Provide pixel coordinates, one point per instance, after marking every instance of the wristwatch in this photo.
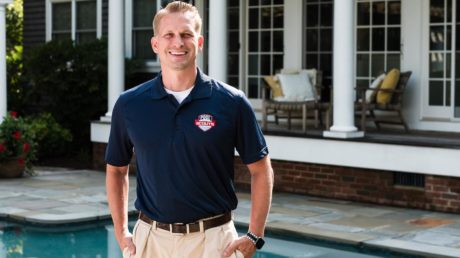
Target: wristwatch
(258, 241)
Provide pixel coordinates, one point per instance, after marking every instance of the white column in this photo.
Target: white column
(3, 87)
(116, 55)
(199, 4)
(218, 40)
(344, 71)
(293, 34)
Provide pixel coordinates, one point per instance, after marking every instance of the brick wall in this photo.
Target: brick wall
(355, 184)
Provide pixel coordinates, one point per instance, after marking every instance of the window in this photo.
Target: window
(265, 29)
(318, 23)
(143, 12)
(378, 38)
(233, 29)
(139, 30)
(79, 20)
(443, 58)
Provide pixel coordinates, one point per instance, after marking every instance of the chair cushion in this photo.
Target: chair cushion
(296, 87)
(274, 85)
(389, 83)
(311, 73)
(371, 94)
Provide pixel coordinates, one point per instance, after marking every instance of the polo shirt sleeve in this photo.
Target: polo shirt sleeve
(250, 142)
(119, 149)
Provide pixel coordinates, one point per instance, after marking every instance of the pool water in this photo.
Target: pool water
(96, 240)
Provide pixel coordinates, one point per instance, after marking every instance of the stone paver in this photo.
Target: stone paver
(60, 195)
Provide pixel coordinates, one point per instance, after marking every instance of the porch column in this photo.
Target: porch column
(344, 70)
(116, 55)
(3, 86)
(218, 40)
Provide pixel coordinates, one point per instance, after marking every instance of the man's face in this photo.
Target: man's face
(177, 43)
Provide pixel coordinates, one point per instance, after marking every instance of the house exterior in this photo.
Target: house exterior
(351, 41)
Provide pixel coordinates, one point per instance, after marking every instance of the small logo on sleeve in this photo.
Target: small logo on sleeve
(205, 122)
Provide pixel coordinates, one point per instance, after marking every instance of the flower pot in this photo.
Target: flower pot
(11, 168)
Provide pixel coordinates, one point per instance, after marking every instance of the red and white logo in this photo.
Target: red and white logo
(205, 122)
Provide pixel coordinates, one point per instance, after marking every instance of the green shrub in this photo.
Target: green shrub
(52, 139)
(70, 82)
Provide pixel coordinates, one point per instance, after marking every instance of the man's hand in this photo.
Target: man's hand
(242, 244)
(126, 241)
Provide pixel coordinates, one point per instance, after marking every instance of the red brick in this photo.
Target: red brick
(450, 196)
(440, 188)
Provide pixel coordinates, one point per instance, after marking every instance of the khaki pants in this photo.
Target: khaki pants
(159, 243)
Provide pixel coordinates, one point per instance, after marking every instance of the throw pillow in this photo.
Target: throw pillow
(389, 83)
(371, 94)
(296, 87)
(274, 85)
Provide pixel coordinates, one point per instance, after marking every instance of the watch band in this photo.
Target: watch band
(256, 240)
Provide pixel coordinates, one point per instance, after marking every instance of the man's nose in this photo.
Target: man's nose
(178, 41)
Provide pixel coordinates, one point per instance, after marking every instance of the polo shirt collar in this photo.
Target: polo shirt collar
(202, 89)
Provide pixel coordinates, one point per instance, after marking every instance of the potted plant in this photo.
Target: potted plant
(17, 146)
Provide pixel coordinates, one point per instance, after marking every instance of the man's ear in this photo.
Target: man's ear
(154, 44)
(200, 43)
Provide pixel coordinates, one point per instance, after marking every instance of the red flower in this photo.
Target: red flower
(14, 114)
(21, 161)
(2, 147)
(17, 135)
(26, 147)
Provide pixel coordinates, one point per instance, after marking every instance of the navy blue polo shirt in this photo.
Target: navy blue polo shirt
(184, 152)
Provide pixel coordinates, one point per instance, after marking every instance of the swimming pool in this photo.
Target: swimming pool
(96, 240)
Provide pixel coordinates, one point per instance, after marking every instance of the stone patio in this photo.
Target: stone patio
(59, 195)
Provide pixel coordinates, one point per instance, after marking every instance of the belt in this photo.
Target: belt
(182, 228)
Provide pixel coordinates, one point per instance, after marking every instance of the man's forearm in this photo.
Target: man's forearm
(261, 195)
(117, 185)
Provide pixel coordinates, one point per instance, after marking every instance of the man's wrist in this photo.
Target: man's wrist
(258, 241)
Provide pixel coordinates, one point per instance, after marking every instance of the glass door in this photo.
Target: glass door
(444, 72)
(378, 39)
(265, 28)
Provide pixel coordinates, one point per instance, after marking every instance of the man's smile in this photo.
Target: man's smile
(178, 53)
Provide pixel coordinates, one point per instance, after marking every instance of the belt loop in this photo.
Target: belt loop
(154, 224)
(187, 226)
(170, 228)
(201, 226)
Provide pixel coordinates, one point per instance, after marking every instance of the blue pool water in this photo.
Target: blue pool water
(96, 240)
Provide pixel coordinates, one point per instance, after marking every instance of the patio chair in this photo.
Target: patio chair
(280, 100)
(386, 96)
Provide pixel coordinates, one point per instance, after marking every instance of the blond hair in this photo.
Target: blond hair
(176, 7)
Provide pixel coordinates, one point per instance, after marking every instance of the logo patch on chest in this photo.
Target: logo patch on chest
(205, 122)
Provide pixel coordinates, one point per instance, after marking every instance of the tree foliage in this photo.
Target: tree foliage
(14, 28)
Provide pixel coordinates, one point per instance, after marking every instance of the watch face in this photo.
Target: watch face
(260, 242)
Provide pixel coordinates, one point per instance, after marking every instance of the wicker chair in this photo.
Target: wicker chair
(292, 109)
(366, 109)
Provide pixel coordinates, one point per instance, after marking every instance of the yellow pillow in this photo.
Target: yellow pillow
(389, 83)
(274, 84)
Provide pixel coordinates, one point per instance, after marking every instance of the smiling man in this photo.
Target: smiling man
(184, 127)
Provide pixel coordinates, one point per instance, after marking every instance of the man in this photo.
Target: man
(184, 127)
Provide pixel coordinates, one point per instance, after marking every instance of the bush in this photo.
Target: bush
(17, 141)
(70, 82)
(52, 139)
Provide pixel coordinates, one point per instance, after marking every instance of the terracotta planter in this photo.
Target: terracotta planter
(11, 168)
